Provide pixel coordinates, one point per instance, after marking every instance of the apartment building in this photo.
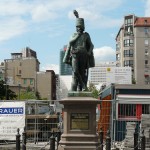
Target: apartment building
(133, 47)
(22, 71)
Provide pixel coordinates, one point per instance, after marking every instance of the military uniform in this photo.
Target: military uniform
(79, 55)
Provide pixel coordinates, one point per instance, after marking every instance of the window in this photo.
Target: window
(128, 42)
(128, 53)
(146, 62)
(128, 31)
(146, 30)
(146, 51)
(117, 57)
(128, 63)
(126, 110)
(128, 21)
(117, 46)
(19, 71)
(146, 42)
(31, 81)
(25, 81)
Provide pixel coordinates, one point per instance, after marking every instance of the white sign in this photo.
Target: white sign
(119, 75)
(12, 117)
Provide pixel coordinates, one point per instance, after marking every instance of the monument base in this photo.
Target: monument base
(79, 124)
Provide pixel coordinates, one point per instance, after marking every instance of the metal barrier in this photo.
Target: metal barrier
(40, 124)
(122, 119)
(55, 138)
(40, 120)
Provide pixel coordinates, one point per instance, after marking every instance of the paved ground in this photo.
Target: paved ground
(30, 146)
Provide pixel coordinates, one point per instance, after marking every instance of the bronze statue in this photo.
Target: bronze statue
(79, 55)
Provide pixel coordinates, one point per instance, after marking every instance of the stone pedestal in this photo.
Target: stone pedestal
(79, 122)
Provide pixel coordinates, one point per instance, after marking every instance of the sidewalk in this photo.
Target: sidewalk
(30, 146)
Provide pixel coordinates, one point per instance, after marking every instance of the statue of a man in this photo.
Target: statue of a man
(79, 55)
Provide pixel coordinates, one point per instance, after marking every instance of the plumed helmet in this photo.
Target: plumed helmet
(80, 22)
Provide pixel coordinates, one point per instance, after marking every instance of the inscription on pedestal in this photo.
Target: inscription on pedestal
(79, 121)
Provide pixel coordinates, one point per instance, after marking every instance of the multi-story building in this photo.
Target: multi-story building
(133, 47)
(46, 84)
(22, 71)
(65, 69)
(2, 68)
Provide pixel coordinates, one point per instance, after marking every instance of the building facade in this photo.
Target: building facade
(64, 69)
(133, 47)
(22, 71)
(46, 84)
(2, 68)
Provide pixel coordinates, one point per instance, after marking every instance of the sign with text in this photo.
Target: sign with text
(79, 121)
(119, 75)
(12, 116)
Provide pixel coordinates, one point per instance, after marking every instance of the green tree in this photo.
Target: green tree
(133, 80)
(5, 92)
(38, 95)
(2, 90)
(95, 92)
(11, 95)
(27, 95)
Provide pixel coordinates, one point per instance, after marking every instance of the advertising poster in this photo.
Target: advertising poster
(12, 116)
(119, 75)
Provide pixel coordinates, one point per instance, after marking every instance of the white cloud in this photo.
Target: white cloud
(42, 13)
(95, 14)
(26, 14)
(12, 27)
(147, 8)
(13, 7)
(104, 54)
(51, 67)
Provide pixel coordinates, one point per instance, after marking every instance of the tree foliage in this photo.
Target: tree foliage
(29, 94)
(95, 92)
(5, 92)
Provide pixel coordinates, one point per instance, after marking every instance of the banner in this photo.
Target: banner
(12, 117)
(118, 75)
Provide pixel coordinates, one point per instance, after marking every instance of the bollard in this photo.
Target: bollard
(18, 140)
(101, 138)
(108, 141)
(24, 139)
(135, 140)
(58, 138)
(142, 137)
(52, 142)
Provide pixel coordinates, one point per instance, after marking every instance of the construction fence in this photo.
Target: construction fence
(122, 119)
(39, 118)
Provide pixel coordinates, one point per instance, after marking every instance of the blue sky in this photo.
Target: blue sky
(46, 26)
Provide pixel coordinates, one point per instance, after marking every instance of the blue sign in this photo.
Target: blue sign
(12, 110)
